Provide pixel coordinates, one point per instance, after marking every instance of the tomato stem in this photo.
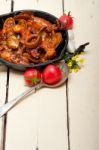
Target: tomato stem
(69, 13)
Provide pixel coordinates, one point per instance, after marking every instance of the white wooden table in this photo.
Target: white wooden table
(66, 118)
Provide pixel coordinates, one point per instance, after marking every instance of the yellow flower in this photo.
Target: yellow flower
(70, 70)
(82, 61)
(76, 70)
(76, 57)
(70, 64)
(82, 53)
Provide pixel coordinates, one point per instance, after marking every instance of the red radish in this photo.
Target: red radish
(67, 20)
(32, 77)
(51, 74)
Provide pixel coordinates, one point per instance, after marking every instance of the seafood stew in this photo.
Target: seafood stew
(31, 38)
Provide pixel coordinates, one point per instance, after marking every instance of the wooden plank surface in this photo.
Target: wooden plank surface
(5, 6)
(83, 87)
(3, 80)
(40, 120)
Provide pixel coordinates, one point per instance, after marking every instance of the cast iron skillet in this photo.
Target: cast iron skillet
(60, 49)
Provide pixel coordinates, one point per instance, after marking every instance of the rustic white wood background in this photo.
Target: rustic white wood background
(66, 118)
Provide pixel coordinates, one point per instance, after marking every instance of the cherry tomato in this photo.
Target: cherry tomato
(32, 77)
(67, 20)
(51, 74)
